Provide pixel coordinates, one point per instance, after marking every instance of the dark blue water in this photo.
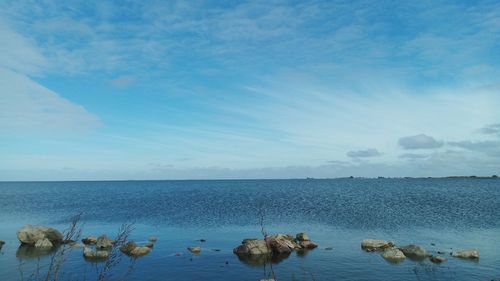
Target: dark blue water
(450, 213)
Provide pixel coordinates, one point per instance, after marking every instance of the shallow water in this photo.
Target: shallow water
(339, 213)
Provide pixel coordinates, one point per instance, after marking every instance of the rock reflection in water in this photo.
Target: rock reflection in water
(260, 260)
(31, 252)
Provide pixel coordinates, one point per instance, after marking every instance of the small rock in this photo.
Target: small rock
(203, 240)
(128, 247)
(30, 234)
(149, 245)
(216, 250)
(89, 253)
(252, 247)
(437, 259)
(302, 237)
(140, 251)
(89, 240)
(103, 242)
(308, 244)
(1, 244)
(433, 244)
(393, 255)
(153, 239)
(375, 245)
(467, 254)
(414, 251)
(43, 243)
(178, 254)
(328, 248)
(194, 250)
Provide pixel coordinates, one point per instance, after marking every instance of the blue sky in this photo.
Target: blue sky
(97, 90)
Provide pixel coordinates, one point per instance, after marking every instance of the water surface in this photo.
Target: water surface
(339, 213)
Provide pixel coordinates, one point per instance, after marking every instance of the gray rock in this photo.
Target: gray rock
(375, 245)
(414, 251)
(92, 254)
(91, 240)
(279, 245)
(252, 247)
(153, 239)
(393, 255)
(308, 244)
(438, 259)
(140, 251)
(467, 254)
(128, 247)
(194, 250)
(43, 243)
(302, 237)
(103, 242)
(30, 234)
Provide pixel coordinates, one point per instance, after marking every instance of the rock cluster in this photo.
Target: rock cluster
(396, 254)
(279, 244)
(133, 250)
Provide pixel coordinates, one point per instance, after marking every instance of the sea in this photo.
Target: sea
(439, 214)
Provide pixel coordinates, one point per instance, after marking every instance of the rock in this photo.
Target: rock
(414, 251)
(302, 237)
(467, 254)
(307, 244)
(437, 259)
(43, 243)
(1, 244)
(375, 245)
(329, 248)
(149, 245)
(194, 250)
(103, 242)
(279, 245)
(393, 255)
(29, 234)
(252, 247)
(77, 245)
(128, 247)
(89, 240)
(152, 239)
(140, 251)
(91, 254)
(203, 240)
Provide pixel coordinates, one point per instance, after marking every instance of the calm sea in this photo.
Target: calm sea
(438, 214)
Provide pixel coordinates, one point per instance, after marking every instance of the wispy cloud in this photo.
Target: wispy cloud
(371, 152)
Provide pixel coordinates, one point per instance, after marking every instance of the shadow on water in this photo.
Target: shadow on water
(27, 252)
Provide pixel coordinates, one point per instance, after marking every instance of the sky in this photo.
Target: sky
(119, 90)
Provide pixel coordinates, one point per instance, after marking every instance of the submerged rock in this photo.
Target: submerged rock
(393, 255)
(30, 234)
(153, 239)
(194, 250)
(90, 240)
(149, 245)
(103, 242)
(375, 245)
(1, 244)
(438, 259)
(252, 247)
(43, 243)
(414, 251)
(467, 254)
(92, 254)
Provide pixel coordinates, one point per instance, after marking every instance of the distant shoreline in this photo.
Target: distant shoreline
(493, 177)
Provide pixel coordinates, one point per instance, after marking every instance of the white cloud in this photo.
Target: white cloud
(27, 106)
